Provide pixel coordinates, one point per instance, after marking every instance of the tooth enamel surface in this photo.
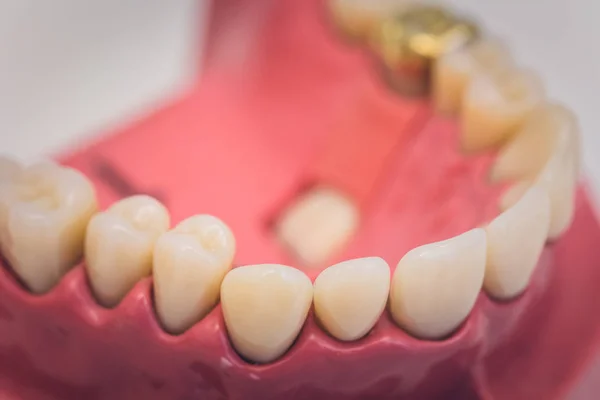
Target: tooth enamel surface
(516, 239)
(119, 245)
(265, 307)
(9, 169)
(513, 194)
(44, 211)
(436, 285)
(318, 225)
(190, 263)
(350, 296)
(453, 71)
(358, 17)
(527, 153)
(495, 106)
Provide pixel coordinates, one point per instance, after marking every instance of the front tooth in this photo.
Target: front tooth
(264, 308)
(527, 153)
(515, 241)
(119, 245)
(453, 71)
(513, 194)
(318, 225)
(496, 105)
(43, 215)
(436, 285)
(190, 263)
(9, 169)
(350, 296)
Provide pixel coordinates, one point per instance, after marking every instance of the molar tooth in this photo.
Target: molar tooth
(119, 245)
(453, 71)
(350, 296)
(515, 241)
(318, 225)
(190, 263)
(44, 211)
(436, 285)
(265, 307)
(496, 105)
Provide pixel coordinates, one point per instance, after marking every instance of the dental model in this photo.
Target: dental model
(433, 247)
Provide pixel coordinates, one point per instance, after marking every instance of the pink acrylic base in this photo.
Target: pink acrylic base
(240, 146)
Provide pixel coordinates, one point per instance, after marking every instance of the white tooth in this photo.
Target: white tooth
(119, 245)
(190, 263)
(527, 153)
(513, 194)
(496, 105)
(453, 71)
(436, 285)
(43, 215)
(515, 241)
(350, 296)
(265, 307)
(9, 169)
(318, 225)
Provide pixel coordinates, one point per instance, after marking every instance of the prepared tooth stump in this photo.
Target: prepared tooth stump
(308, 225)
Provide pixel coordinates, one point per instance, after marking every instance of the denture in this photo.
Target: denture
(299, 227)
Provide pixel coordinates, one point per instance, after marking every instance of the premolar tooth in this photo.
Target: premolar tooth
(44, 211)
(496, 105)
(190, 263)
(119, 245)
(436, 285)
(318, 225)
(350, 296)
(453, 71)
(515, 241)
(265, 307)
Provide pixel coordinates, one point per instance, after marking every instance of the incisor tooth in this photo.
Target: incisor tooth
(527, 153)
(265, 307)
(515, 241)
(453, 71)
(436, 285)
(190, 263)
(496, 105)
(350, 296)
(318, 225)
(43, 215)
(119, 245)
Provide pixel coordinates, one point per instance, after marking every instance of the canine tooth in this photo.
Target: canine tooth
(44, 211)
(318, 225)
(453, 71)
(190, 262)
(515, 241)
(9, 169)
(496, 105)
(119, 245)
(265, 307)
(527, 153)
(436, 285)
(350, 296)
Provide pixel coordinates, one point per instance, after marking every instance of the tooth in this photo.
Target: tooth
(357, 18)
(43, 215)
(190, 263)
(513, 194)
(9, 169)
(318, 225)
(496, 105)
(453, 71)
(264, 308)
(119, 245)
(516, 239)
(436, 285)
(527, 153)
(350, 296)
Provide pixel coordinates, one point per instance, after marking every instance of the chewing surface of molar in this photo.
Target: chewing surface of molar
(357, 18)
(515, 241)
(190, 262)
(44, 211)
(496, 105)
(119, 245)
(453, 71)
(436, 285)
(318, 225)
(350, 296)
(265, 307)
